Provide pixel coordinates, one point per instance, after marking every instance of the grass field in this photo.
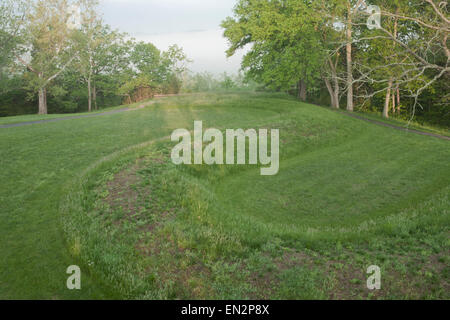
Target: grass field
(102, 193)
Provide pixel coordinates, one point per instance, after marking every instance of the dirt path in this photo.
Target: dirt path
(392, 126)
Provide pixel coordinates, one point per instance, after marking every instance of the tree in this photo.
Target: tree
(151, 70)
(12, 20)
(174, 66)
(227, 82)
(342, 16)
(352, 7)
(200, 82)
(146, 58)
(111, 62)
(140, 86)
(51, 45)
(374, 51)
(416, 34)
(62, 50)
(88, 40)
(287, 43)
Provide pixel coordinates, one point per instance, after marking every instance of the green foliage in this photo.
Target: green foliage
(227, 82)
(200, 82)
(51, 41)
(141, 81)
(11, 38)
(292, 41)
(92, 65)
(207, 82)
(286, 46)
(147, 59)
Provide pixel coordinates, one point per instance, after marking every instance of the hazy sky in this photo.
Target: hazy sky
(192, 24)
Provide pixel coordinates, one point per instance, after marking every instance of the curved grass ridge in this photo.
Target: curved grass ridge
(219, 244)
(82, 231)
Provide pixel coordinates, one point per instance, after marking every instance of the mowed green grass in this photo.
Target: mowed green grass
(349, 194)
(35, 117)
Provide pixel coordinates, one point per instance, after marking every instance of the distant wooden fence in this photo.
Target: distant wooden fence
(140, 94)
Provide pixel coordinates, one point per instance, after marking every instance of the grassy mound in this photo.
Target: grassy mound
(349, 195)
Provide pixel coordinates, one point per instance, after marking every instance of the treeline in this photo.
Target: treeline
(386, 56)
(59, 56)
(206, 82)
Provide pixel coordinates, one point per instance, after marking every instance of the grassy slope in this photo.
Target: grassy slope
(36, 117)
(406, 124)
(321, 151)
(39, 161)
(348, 195)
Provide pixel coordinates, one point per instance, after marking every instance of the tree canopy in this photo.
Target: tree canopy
(62, 55)
(338, 47)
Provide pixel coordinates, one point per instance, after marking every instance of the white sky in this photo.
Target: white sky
(192, 24)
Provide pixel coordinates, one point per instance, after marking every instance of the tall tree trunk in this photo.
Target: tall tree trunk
(42, 94)
(94, 96)
(394, 90)
(350, 105)
(42, 101)
(89, 94)
(388, 100)
(331, 92)
(336, 92)
(394, 105)
(302, 90)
